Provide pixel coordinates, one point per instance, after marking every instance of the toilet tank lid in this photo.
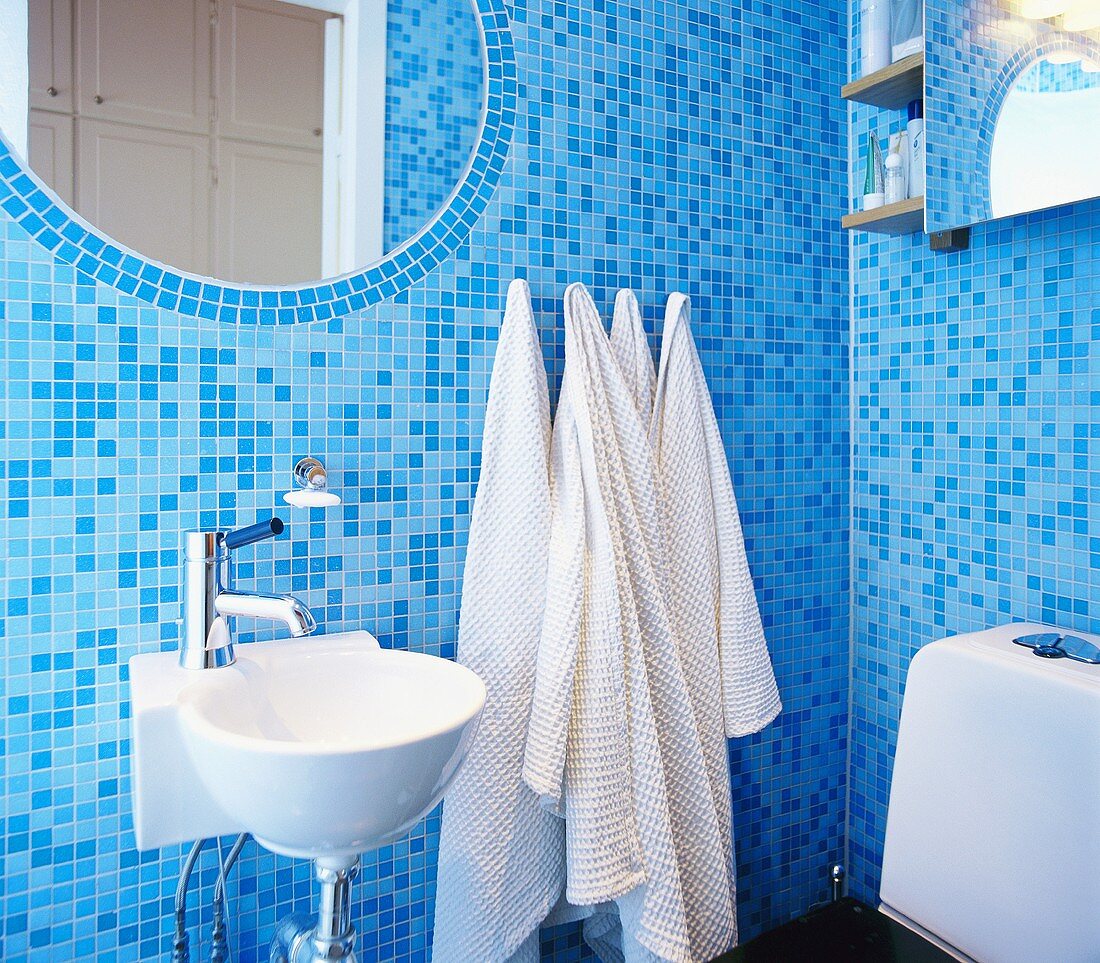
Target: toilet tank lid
(1017, 643)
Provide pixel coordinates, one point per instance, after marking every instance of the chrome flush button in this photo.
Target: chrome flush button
(1049, 652)
(1053, 645)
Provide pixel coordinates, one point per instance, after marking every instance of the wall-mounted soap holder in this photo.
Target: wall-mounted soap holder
(311, 486)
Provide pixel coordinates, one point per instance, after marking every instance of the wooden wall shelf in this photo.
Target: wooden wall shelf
(904, 217)
(892, 87)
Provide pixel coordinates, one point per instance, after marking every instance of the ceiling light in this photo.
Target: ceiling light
(1041, 9)
(1081, 15)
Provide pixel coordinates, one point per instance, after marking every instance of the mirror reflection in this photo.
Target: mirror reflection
(1012, 92)
(254, 141)
(1029, 170)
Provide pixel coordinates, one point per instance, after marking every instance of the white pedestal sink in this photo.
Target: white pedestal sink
(321, 747)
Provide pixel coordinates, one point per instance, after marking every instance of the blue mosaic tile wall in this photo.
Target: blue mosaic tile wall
(780, 380)
(434, 91)
(975, 443)
(660, 146)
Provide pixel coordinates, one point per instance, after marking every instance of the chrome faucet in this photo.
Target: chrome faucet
(210, 603)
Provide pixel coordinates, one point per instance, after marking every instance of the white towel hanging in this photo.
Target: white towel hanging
(579, 707)
(501, 855)
(633, 790)
(707, 542)
(631, 349)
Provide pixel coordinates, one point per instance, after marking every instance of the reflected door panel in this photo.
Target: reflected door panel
(268, 226)
(50, 50)
(51, 144)
(271, 66)
(148, 61)
(149, 187)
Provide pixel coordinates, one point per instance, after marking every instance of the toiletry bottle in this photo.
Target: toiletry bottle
(874, 20)
(915, 130)
(895, 179)
(899, 144)
(873, 191)
(906, 28)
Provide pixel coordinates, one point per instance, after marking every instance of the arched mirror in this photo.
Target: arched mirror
(253, 160)
(1011, 88)
(1042, 153)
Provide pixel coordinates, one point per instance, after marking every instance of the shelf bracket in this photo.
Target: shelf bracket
(945, 241)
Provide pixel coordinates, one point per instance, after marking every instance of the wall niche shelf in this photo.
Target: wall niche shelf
(904, 217)
(892, 87)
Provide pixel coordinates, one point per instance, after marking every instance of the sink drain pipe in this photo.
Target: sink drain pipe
(330, 936)
(181, 945)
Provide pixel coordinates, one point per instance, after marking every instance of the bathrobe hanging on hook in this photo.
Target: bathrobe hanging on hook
(501, 856)
(704, 537)
(713, 606)
(612, 743)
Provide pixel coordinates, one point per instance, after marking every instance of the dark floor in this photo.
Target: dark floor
(843, 932)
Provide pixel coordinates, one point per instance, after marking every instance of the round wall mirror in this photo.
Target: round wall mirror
(253, 160)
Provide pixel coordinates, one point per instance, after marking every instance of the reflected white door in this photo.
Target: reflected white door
(271, 71)
(149, 188)
(50, 151)
(268, 203)
(145, 62)
(176, 109)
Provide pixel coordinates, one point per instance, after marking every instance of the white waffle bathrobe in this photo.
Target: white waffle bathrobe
(714, 611)
(713, 595)
(501, 855)
(627, 735)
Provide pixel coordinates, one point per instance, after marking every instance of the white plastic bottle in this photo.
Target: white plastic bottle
(895, 179)
(874, 32)
(899, 144)
(915, 131)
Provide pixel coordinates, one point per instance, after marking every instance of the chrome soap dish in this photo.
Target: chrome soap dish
(311, 486)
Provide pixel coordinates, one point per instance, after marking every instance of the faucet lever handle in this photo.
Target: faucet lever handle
(253, 533)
